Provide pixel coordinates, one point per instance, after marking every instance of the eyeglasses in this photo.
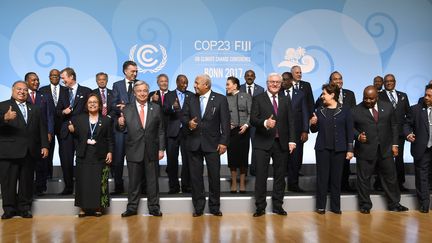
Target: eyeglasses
(274, 82)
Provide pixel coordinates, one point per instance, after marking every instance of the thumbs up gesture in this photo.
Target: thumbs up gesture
(10, 115)
(121, 120)
(270, 122)
(362, 137)
(71, 127)
(314, 119)
(176, 104)
(155, 97)
(193, 123)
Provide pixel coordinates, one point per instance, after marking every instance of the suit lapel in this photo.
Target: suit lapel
(424, 114)
(210, 105)
(149, 114)
(18, 111)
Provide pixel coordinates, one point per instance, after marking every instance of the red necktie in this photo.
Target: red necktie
(104, 104)
(142, 116)
(162, 97)
(275, 108)
(375, 114)
(33, 97)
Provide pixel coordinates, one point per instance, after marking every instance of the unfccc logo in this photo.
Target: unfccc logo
(147, 58)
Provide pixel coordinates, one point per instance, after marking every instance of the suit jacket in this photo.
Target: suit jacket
(120, 95)
(257, 89)
(48, 93)
(243, 103)
(174, 116)
(384, 133)
(78, 107)
(418, 123)
(102, 135)
(306, 88)
(343, 129)
(159, 102)
(213, 128)
(47, 111)
(149, 140)
(300, 111)
(349, 99)
(17, 138)
(401, 110)
(111, 113)
(262, 109)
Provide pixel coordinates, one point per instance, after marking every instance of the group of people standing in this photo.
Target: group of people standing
(102, 127)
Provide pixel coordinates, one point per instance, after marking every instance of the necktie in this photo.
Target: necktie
(275, 108)
(202, 105)
(340, 97)
(54, 95)
(181, 99)
(104, 104)
(429, 144)
(71, 97)
(23, 111)
(392, 99)
(162, 97)
(249, 90)
(296, 86)
(375, 114)
(129, 91)
(142, 116)
(32, 94)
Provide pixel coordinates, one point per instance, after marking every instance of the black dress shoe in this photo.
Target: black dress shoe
(128, 213)
(186, 190)
(280, 212)
(364, 210)
(217, 213)
(26, 214)
(424, 209)
(173, 191)
(320, 211)
(295, 188)
(259, 213)
(197, 214)
(8, 215)
(156, 213)
(336, 211)
(403, 189)
(348, 189)
(398, 208)
(40, 193)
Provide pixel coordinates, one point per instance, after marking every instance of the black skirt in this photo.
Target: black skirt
(91, 179)
(238, 148)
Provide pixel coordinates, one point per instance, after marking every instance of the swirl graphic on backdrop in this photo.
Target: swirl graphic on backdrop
(260, 53)
(45, 55)
(145, 57)
(152, 30)
(72, 38)
(384, 30)
(326, 54)
(298, 57)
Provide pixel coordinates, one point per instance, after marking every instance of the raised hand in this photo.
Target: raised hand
(362, 137)
(314, 119)
(71, 127)
(10, 115)
(411, 137)
(176, 104)
(155, 97)
(121, 120)
(270, 122)
(193, 123)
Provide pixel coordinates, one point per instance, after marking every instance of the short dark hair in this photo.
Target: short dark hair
(27, 76)
(235, 81)
(428, 86)
(99, 102)
(333, 73)
(127, 64)
(162, 75)
(70, 72)
(100, 74)
(181, 76)
(332, 88)
(289, 75)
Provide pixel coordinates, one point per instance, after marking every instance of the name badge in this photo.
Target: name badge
(91, 141)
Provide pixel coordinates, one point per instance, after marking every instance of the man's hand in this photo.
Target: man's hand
(411, 137)
(71, 127)
(243, 129)
(161, 154)
(176, 104)
(221, 149)
(349, 155)
(193, 123)
(155, 97)
(44, 153)
(395, 150)
(10, 115)
(121, 120)
(67, 111)
(314, 119)
(291, 147)
(362, 137)
(108, 158)
(270, 122)
(304, 137)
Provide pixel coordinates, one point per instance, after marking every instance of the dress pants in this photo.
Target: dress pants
(137, 171)
(173, 145)
(118, 159)
(329, 172)
(295, 161)
(17, 172)
(67, 150)
(387, 172)
(279, 157)
(422, 167)
(196, 168)
(399, 161)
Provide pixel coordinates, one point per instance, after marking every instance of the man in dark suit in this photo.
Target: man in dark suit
(176, 136)
(303, 86)
(158, 96)
(145, 146)
(206, 116)
(273, 118)
(378, 82)
(401, 105)
(301, 123)
(418, 131)
(376, 133)
(252, 89)
(347, 99)
(105, 95)
(54, 90)
(122, 95)
(69, 106)
(40, 99)
(23, 140)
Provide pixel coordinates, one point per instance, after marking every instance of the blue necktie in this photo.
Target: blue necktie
(202, 105)
(71, 97)
(23, 111)
(392, 99)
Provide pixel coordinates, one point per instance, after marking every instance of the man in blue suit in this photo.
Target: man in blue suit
(418, 131)
(122, 95)
(69, 105)
(301, 123)
(40, 99)
(252, 89)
